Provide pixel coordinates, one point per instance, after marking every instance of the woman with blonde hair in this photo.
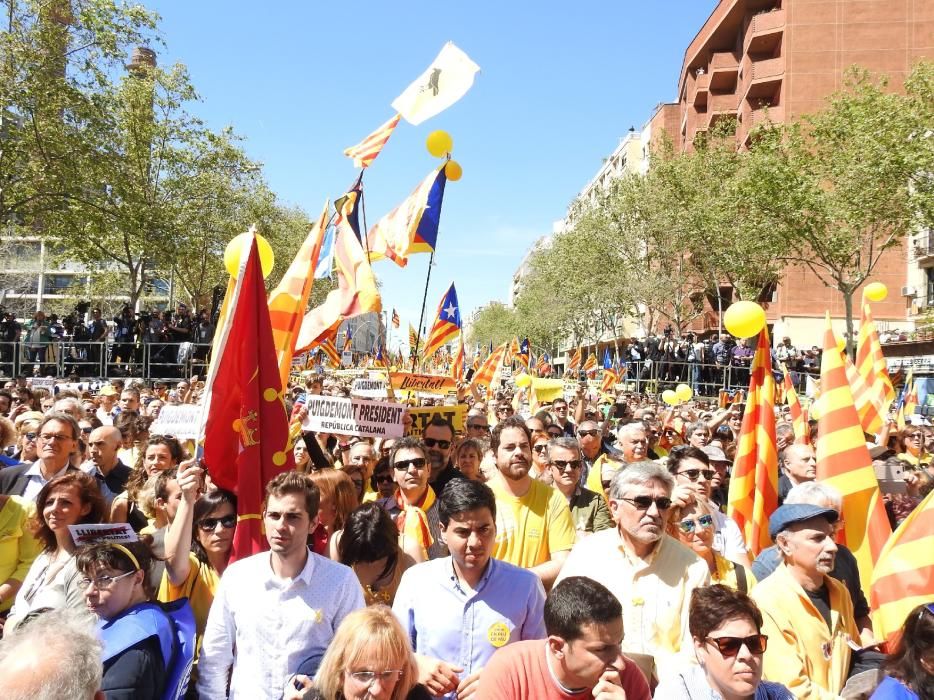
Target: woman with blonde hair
(338, 499)
(369, 658)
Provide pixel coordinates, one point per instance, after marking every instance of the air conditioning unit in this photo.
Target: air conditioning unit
(908, 291)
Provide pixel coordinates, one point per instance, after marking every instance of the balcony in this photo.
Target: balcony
(724, 67)
(765, 77)
(723, 104)
(764, 33)
(924, 246)
(701, 89)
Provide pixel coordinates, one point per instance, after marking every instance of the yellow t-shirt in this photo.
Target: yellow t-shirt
(199, 588)
(18, 546)
(529, 529)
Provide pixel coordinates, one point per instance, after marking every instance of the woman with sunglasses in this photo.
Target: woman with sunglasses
(911, 446)
(910, 666)
(148, 649)
(27, 446)
(198, 544)
(368, 659)
(694, 526)
(540, 468)
(162, 452)
(726, 627)
(52, 581)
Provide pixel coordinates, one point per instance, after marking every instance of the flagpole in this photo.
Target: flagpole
(421, 318)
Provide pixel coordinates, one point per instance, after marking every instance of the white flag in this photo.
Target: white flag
(447, 79)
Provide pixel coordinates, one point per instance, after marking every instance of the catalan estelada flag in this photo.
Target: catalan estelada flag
(447, 323)
(753, 494)
(379, 360)
(525, 353)
(395, 319)
(457, 364)
(412, 227)
(289, 300)
(799, 421)
(356, 291)
(244, 426)
(366, 151)
(907, 402)
(575, 360)
(904, 574)
(541, 363)
(843, 462)
(490, 368)
(610, 374)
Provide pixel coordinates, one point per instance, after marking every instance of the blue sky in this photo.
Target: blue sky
(560, 83)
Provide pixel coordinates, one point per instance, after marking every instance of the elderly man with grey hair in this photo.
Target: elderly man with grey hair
(57, 656)
(651, 573)
(588, 509)
(845, 568)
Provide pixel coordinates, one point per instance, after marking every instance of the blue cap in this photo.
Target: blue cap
(792, 513)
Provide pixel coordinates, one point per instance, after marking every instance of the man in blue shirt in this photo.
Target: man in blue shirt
(460, 609)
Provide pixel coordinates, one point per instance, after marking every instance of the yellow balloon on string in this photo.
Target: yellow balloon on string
(669, 397)
(453, 170)
(684, 392)
(267, 258)
(744, 319)
(876, 291)
(439, 143)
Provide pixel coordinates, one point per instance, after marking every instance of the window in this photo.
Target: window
(929, 275)
(64, 284)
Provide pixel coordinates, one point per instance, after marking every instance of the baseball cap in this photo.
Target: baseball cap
(108, 390)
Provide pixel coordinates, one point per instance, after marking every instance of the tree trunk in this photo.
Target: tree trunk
(848, 306)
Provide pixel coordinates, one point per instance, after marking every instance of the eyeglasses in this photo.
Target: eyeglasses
(369, 677)
(49, 437)
(563, 464)
(645, 502)
(588, 433)
(540, 448)
(730, 646)
(431, 442)
(915, 436)
(210, 524)
(478, 426)
(688, 526)
(87, 430)
(694, 474)
(102, 583)
(403, 464)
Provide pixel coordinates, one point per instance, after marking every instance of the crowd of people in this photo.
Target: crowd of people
(580, 550)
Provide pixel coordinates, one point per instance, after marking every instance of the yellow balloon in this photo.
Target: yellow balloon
(744, 319)
(453, 170)
(669, 397)
(523, 380)
(684, 392)
(439, 143)
(232, 254)
(876, 291)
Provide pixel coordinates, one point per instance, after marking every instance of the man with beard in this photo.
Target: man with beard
(807, 614)
(534, 529)
(651, 573)
(439, 441)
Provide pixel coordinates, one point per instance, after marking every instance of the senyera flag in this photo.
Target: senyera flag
(753, 493)
(366, 151)
(244, 427)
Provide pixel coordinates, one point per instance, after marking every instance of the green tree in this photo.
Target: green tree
(494, 323)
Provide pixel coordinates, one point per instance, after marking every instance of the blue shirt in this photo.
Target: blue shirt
(891, 689)
(691, 684)
(446, 620)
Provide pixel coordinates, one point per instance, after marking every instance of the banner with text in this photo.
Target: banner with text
(431, 383)
(370, 388)
(336, 414)
(422, 416)
(180, 421)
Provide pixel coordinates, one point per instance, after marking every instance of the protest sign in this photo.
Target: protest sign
(47, 383)
(435, 384)
(370, 388)
(181, 421)
(107, 532)
(347, 358)
(336, 414)
(422, 416)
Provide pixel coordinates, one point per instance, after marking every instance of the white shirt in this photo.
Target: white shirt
(37, 481)
(273, 624)
(105, 417)
(727, 539)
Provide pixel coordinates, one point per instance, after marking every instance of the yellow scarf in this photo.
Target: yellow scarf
(413, 523)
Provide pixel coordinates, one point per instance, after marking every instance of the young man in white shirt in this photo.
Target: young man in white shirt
(274, 610)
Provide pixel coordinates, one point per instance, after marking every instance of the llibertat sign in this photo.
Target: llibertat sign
(430, 383)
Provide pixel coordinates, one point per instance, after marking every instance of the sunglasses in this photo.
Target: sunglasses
(540, 449)
(555, 433)
(31, 436)
(730, 646)
(87, 430)
(688, 526)
(403, 464)
(563, 464)
(384, 479)
(694, 474)
(431, 442)
(645, 502)
(210, 524)
(478, 426)
(588, 433)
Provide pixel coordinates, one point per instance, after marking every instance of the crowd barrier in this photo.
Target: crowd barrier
(653, 377)
(103, 360)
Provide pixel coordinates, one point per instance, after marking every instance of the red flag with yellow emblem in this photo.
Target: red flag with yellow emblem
(244, 425)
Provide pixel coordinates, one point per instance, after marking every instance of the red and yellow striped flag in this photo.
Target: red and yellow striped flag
(870, 417)
(457, 366)
(330, 351)
(798, 420)
(904, 573)
(871, 363)
(843, 462)
(490, 368)
(366, 151)
(590, 364)
(575, 360)
(610, 380)
(753, 491)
